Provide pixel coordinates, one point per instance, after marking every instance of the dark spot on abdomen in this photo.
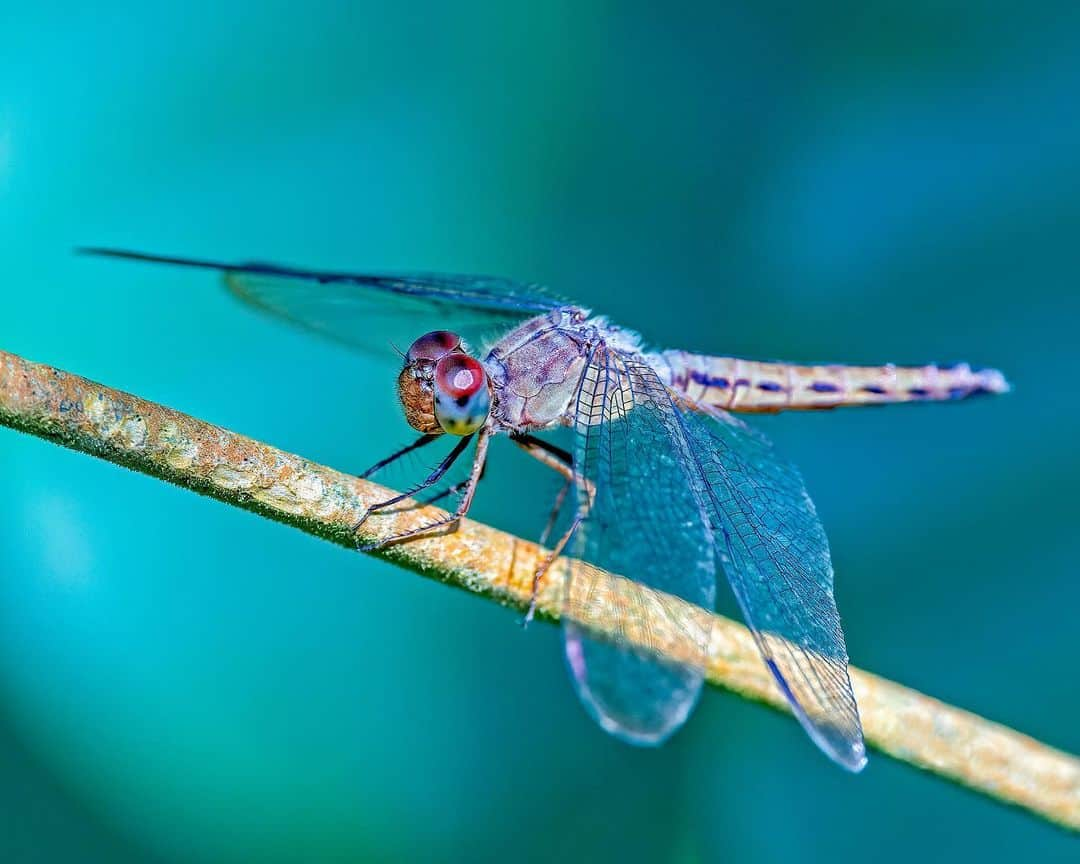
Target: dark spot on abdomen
(705, 381)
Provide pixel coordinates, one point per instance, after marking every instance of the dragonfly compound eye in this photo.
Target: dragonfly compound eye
(462, 398)
(433, 346)
(415, 383)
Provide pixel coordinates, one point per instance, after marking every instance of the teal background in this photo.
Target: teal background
(868, 182)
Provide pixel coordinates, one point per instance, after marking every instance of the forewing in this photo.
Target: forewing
(372, 311)
(774, 552)
(646, 523)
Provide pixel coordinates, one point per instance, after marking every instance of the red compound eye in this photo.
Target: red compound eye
(433, 345)
(459, 376)
(462, 398)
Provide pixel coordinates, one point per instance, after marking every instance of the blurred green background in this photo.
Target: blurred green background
(867, 182)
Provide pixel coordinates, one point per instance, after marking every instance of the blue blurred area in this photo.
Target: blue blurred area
(847, 181)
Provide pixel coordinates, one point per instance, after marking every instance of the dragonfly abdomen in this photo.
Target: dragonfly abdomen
(755, 386)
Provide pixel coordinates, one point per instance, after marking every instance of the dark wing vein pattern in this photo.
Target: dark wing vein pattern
(675, 494)
(645, 522)
(371, 311)
(773, 549)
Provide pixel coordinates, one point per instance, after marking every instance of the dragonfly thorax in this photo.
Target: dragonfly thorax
(442, 388)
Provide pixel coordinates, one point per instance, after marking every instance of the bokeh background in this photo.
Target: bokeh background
(182, 682)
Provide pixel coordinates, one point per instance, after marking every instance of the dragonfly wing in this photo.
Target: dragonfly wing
(371, 311)
(645, 522)
(773, 549)
(677, 494)
(370, 317)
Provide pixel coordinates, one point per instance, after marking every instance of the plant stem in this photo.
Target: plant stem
(149, 438)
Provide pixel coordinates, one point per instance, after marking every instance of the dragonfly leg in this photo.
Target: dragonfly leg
(561, 461)
(554, 457)
(393, 457)
(550, 559)
(433, 478)
(556, 508)
(451, 521)
(453, 489)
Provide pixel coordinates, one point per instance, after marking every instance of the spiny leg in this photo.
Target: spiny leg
(453, 489)
(552, 556)
(433, 478)
(556, 509)
(559, 460)
(393, 457)
(451, 521)
(540, 449)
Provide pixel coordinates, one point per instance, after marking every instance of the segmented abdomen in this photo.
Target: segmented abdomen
(754, 386)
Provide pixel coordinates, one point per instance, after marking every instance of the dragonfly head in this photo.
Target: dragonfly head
(442, 388)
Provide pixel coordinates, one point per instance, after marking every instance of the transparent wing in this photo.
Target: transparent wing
(371, 311)
(676, 493)
(773, 549)
(645, 522)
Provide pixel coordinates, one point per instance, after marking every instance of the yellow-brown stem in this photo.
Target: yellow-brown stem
(77, 413)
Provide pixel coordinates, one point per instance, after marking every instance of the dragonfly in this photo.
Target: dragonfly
(669, 487)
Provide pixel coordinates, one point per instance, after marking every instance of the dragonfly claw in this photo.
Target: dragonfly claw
(445, 526)
(362, 545)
